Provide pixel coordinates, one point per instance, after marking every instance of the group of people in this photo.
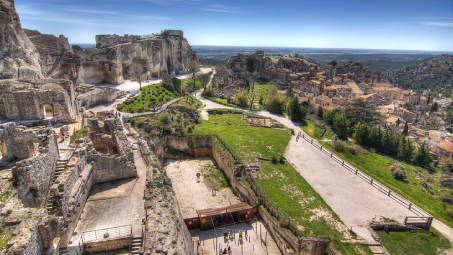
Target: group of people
(225, 251)
(228, 234)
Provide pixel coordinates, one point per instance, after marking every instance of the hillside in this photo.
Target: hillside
(435, 74)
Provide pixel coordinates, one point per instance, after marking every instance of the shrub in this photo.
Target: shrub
(274, 160)
(338, 146)
(398, 171)
(351, 150)
(281, 160)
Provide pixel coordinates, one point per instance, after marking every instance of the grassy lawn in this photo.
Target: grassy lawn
(290, 193)
(222, 101)
(265, 86)
(316, 131)
(413, 242)
(187, 82)
(378, 167)
(150, 96)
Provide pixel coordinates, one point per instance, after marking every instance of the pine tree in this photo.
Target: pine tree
(423, 157)
(295, 110)
(361, 134)
(406, 129)
(320, 113)
(340, 126)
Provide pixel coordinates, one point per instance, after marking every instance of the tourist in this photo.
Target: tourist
(240, 234)
(246, 234)
(230, 234)
(224, 234)
(229, 250)
(224, 251)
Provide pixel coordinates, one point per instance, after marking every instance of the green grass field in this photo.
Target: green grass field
(150, 96)
(413, 242)
(290, 193)
(378, 167)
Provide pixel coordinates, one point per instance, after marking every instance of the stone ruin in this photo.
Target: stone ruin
(44, 84)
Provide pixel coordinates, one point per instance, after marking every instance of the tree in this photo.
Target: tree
(137, 69)
(434, 108)
(241, 97)
(204, 79)
(340, 126)
(251, 66)
(275, 104)
(289, 92)
(359, 110)
(251, 97)
(375, 138)
(423, 157)
(193, 65)
(295, 110)
(406, 129)
(406, 149)
(320, 113)
(408, 106)
(361, 134)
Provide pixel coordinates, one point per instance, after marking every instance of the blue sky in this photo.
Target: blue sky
(383, 24)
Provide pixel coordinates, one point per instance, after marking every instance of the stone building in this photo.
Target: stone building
(44, 100)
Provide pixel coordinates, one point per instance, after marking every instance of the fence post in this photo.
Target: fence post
(410, 206)
(311, 141)
(321, 147)
(342, 163)
(331, 154)
(371, 182)
(390, 191)
(356, 171)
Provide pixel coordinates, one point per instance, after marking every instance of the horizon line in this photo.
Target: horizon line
(302, 47)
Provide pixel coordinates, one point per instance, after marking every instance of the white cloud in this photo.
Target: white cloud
(438, 24)
(90, 11)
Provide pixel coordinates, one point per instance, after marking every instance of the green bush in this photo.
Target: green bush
(281, 160)
(398, 171)
(338, 146)
(351, 150)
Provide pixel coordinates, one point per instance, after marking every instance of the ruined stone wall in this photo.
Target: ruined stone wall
(75, 203)
(111, 168)
(18, 142)
(109, 245)
(34, 174)
(187, 144)
(26, 101)
(27, 239)
(104, 41)
(99, 96)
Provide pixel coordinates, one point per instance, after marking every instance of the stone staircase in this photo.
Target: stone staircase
(136, 245)
(59, 168)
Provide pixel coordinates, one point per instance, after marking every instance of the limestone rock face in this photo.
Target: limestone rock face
(57, 58)
(19, 58)
(238, 64)
(109, 62)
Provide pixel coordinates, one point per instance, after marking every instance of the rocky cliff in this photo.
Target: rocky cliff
(57, 58)
(19, 58)
(168, 52)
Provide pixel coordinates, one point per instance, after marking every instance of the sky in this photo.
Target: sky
(365, 24)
